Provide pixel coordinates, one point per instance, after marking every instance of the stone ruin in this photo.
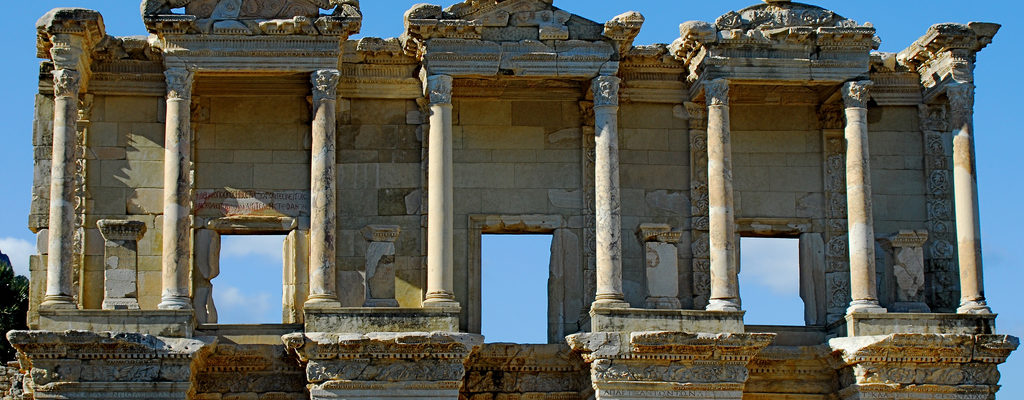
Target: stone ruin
(384, 161)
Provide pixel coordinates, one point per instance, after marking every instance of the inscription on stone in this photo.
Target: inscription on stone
(233, 202)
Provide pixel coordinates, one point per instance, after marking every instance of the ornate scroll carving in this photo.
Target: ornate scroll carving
(606, 91)
(717, 92)
(699, 239)
(942, 289)
(439, 89)
(837, 262)
(179, 83)
(325, 85)
(856, 94)
(66, 83)
(587, 147)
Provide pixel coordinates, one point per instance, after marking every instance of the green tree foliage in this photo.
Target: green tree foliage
(13, 304)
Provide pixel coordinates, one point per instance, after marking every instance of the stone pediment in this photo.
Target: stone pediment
(781, 14)
(779, 40)
(252, 17)
(515, 38)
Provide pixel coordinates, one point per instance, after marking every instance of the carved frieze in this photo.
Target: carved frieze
(248, 17)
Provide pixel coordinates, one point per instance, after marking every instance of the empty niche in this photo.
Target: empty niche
(514, 287)
(249, 286)
(770, 281)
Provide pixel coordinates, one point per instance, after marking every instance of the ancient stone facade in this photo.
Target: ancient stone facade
(384, 161)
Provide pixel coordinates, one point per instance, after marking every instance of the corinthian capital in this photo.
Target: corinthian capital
(325, 85)
(717, 92)
(961, 103)
(439, 89)
(606, 91)
(179, 83)
(65, 83)
(855, 94)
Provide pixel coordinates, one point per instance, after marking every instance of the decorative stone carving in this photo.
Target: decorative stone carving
(379, 271)
(325, 85)
(717, 92)
(668, 365)
(623, 29)
(933, 366)
(837, 262)
(438, 89)
(606, 91)
(66, 83)
(179, 83)
(661, 257)
(700, 245)
(947, 52)
(206, 260)
(779, 14)
(855, 94)
(120, 259)
(505, 369)
(247, 17)
(354, 366)
(83, 365)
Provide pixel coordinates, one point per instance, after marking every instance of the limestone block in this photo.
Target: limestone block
(131, 108)
(141, 134)
(145, 201)
(540, 176)
(223, 175)
(503, 137)
(120, 255)
(485, 112)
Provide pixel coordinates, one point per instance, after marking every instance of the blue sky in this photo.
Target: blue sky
(899, 23)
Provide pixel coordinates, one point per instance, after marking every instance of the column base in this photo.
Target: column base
(608, 303)
(321, 302)
(973, 307)
(441, 300)
(175, 303)
(58, 302)
(723, 305)
(865, 306)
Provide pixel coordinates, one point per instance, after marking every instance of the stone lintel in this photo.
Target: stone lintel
(657, 233)
(381, 319)
(121, 230)
(166, 323)
(909, 238)
(381, 233)
(774, 226)
(251, 224)
(606, 319)
(869, 324)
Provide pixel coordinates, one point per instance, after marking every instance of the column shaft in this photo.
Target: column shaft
(177, 201)
(440, 197)
(323, 290)
(607, 207)
(62, 170)
(965, 189)
(725, 294)
(861, 229)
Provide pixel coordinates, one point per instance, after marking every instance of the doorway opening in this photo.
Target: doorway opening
(514, 287)
(248, 288)
(770, 281)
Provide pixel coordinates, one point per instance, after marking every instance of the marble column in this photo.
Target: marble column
(62, 174)
(863, 287)
(177, 160)
(725, 290)
(323, 291)
(440, 197)
(607, 207)
(965, 195)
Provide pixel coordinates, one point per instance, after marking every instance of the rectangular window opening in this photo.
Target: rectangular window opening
(249, 287)
(770, 281)
(514, 286)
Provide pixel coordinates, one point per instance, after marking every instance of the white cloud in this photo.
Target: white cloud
(771, 263)
(237, 307)
(241, 246)
(18, 250)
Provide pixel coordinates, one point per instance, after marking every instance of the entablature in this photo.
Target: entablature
(946, 54)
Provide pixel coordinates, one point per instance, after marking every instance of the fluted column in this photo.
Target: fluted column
(965, 189)
(62, 170)
(323, 290)
(863, 288)
(725, 291)
(177, 158)
(607, 207)
(440, 197)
